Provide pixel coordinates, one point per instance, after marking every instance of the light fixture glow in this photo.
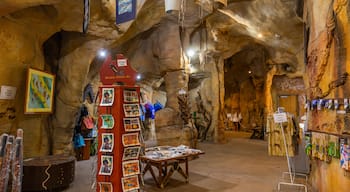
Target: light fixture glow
(190, 53)
(250, 72)
(260, 35)
(102, 53)
(138, 77)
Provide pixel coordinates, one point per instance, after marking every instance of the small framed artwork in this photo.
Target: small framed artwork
(39, 92)
(106, 165)
(107, 97)
(107, 142)
(130, 96)
(131, 168)
(105, 186)
(131, 110)
(130, 183)
(132, 124)
(107, 121)
(130, 139)
(131, 153)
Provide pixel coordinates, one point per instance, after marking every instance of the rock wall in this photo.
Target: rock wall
(328, 24)
(26, 26)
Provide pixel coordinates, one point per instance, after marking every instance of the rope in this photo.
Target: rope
(48, 174)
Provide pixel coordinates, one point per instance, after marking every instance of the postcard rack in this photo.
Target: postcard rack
(118, 166)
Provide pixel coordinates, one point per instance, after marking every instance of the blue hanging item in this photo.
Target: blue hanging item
(78, 140)
(157, 106)
(150, 113)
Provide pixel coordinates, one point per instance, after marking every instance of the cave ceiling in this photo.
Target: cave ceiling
(273, 24)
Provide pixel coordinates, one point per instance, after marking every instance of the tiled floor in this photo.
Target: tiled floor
(241, 165)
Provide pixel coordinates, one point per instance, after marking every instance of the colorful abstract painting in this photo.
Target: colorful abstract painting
(39, 92)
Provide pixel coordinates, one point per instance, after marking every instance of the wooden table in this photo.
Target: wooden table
(167, 166)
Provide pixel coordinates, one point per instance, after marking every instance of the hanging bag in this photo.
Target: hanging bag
(88, 122)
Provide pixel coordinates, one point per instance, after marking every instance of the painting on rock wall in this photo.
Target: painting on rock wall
(39, 92)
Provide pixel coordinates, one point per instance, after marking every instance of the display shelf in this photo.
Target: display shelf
(118, 139)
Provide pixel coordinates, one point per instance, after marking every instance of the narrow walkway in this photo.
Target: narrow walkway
(241, 165)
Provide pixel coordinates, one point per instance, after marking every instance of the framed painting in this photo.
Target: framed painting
(131, 168)
(39, 92)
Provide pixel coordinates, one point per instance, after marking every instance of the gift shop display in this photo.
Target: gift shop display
(119, 128)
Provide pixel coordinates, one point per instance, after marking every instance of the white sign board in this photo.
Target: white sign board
(280, 117)
(7, 92)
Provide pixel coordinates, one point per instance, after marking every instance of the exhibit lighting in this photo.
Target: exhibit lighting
(250, 72)
(138, 77)
(190, 53)
(102, 53)
(260, 35)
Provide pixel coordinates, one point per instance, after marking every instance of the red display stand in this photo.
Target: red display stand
(118, 167)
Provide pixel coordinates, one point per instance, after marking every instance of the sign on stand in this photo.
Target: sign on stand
(280, 117)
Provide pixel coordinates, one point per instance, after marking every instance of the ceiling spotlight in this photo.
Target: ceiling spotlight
(250, 72)
(138, 77)
(102, 53)
(190, 53)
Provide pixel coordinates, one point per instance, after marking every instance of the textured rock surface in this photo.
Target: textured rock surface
(328, 24)
(156, 44)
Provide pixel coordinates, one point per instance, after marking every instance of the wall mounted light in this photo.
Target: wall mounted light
(138, 77)
(190, 53)
(102, 53)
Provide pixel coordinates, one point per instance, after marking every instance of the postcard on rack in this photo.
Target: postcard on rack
(130, 96)
(130, 139)
(107, 142)
(105, 186)
(131, 168)
(132, 124)
(107, 97)
(130, 183)
(131, 110)
(107, 121)
(131, 153)
(106, 167)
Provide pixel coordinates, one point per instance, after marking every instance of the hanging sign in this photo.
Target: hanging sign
(280, 117)
(7, 92)
(117, 71)
(125, 10)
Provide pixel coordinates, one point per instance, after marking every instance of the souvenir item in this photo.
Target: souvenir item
(346, 103)
(131, 139)
(130, 96)
(314, 104)
(106, 187)
(106, 165)
(107, 121)
(107, 97)
(132, 124)
(319, 104)
(130, 183)
(330, 104)
(107, 142)
(336, 104)
(131, 153)
(131, 168)
(131, 110)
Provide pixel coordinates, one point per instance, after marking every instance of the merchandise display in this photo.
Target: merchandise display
(119, 140)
